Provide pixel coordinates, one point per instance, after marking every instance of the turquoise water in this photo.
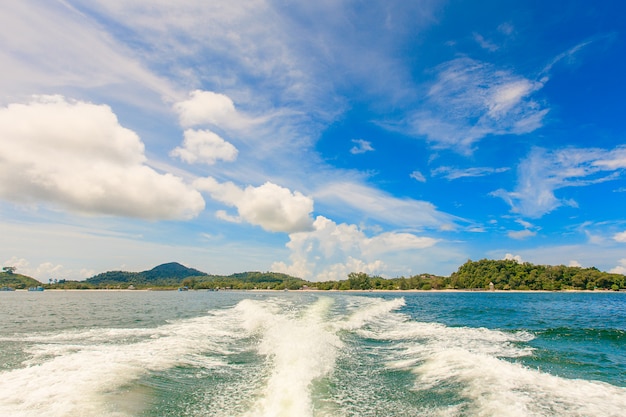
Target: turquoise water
(299, 354)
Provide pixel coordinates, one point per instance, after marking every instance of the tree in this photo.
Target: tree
(9, 269)
(359, 281)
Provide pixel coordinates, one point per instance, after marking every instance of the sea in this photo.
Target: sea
(311, 354)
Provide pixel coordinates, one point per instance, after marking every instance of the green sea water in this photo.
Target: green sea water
(300, 354)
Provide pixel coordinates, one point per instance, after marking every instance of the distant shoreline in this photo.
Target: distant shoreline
(458, 290)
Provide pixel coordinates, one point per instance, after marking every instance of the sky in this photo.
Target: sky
(392, 137)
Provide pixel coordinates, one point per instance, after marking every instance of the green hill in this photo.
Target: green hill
(174, 274)
(171, 270)
(247, 281)
(169, 274)
(17, 281)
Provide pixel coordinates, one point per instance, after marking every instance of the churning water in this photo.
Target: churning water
(305, 354)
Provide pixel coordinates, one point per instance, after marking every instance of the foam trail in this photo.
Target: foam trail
(73, 375)
(373, 310)
(500, 388)
(469, 362)
(300, 347)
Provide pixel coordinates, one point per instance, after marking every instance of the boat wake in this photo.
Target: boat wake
(293, 355)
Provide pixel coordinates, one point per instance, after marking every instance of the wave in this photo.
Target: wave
(72, 373)
(596, 335)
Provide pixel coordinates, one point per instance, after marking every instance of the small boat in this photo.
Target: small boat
(183, 288)
(7, 289)
(37, 288)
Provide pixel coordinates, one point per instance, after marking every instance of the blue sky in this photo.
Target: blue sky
(312, 138)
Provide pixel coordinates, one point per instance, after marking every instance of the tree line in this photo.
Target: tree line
(472, 275)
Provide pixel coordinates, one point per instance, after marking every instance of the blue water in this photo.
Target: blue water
(323, 354)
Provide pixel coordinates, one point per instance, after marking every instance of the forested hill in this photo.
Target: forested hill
(511, 275)
(176, 275)
(166, 274)
(478, 275)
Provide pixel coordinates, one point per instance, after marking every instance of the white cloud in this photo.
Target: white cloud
(619, 269)
(204, 146)
(612, 160)
(543, 172)
(418, 176)
(575, 263)
(524, 223)
(50, 46)
(375, 204)
(46, 270)
(76, 155)
(472, 99)
(567, 56)
(274, 208)
(454, 173)
(361, 146)
(521, 234)
(330, 251)
(484, 43)
(207, 108)
(511, 257)
(620, 237)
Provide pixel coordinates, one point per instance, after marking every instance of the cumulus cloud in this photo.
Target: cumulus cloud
(45, 270)
(204, 146)
(330, 251)
(511, 257)
(76, 155)
(361, 146)
(620, 237)
(543, 172)
(471, 99)
(621, 268)
(207, 108)
(274, 208)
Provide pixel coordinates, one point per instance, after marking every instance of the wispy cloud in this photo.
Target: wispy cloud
(543, 172)
(371, 203)
(455, 173)
(39, 40)
(470, 100)
(567, 55)
(484, 43)
(418, 176)
(361, 146)
(506, 28)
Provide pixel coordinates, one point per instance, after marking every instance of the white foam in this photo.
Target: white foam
(499, 388)
(300, 348)
(73, 375)
(368, 310)
(473, 359)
